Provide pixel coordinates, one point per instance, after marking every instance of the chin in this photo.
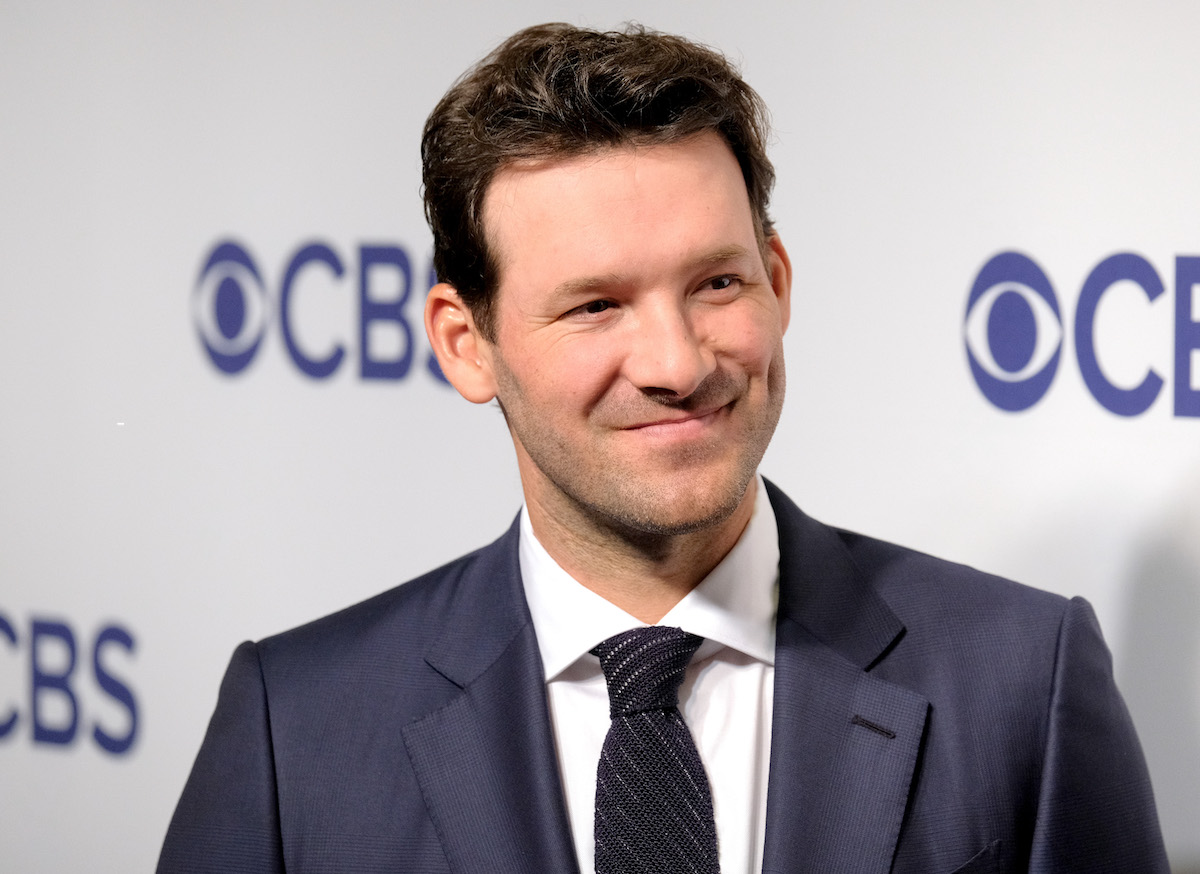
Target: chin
(664, 511)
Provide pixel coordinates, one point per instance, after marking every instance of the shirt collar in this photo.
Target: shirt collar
(734, 606)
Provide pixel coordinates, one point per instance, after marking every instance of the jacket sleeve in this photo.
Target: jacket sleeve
(1095, 808)
(227, 819)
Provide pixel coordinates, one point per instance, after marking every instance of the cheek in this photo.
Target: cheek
(566, 376)
(587, 373)
(753, 341)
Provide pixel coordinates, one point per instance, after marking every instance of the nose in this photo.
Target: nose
(666, 355)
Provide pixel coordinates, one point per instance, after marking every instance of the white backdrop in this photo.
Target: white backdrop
(155, 511)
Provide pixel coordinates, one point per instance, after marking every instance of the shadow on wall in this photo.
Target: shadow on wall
(1159, 673)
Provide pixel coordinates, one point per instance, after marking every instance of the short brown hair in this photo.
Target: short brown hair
(555, 90)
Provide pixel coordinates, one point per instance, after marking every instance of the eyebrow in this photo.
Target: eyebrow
(589, 284)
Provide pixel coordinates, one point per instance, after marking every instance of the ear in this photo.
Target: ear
(460, 349)
(780, 267)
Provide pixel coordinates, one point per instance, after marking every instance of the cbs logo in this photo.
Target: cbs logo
(233, 309)
(58, 700)
(1015, 330)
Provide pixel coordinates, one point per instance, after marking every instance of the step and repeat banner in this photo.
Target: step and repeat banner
(219, 416)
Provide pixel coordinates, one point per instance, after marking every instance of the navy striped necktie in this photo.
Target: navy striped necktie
(654, 810)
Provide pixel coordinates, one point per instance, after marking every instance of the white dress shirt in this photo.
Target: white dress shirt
(725, 698)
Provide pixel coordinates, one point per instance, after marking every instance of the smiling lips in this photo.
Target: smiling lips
(681, 424)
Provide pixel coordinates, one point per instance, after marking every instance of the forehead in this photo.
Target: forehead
(619, 208)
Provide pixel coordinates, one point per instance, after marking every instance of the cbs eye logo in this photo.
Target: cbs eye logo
(1013, 331)
(229, 307)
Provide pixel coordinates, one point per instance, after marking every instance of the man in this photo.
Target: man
(611, 278)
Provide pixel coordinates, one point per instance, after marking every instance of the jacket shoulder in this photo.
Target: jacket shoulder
(842, 583)
(918, 585)
(383, 641)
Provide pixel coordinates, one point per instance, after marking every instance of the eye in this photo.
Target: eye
(721, 283)
(591, 308)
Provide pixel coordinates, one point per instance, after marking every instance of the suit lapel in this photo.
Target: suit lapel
(844, 743)
(485, 761)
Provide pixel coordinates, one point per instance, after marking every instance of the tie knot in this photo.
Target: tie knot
(644, 667)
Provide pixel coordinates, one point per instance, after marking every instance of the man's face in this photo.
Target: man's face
(638, 350)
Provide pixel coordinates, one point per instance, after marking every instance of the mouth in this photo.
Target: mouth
(681, 424)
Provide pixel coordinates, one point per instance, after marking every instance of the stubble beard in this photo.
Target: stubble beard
(615, 505)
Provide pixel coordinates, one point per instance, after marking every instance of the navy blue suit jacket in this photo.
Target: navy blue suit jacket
(928, 718)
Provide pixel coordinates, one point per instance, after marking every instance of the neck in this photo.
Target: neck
(645, 574)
